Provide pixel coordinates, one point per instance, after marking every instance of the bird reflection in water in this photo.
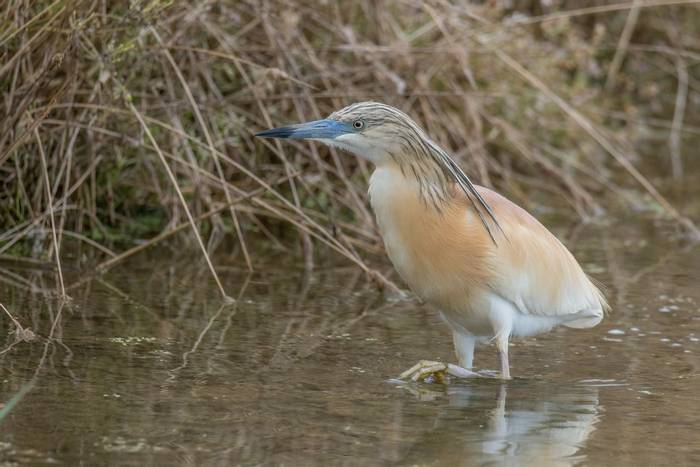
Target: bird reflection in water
(543, 425)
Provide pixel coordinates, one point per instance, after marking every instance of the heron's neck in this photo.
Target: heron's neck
(433, 176)
(414, 184)
(424, 165)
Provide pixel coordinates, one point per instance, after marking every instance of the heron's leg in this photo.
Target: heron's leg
(502, 345)
(502, 315)
(464, 348)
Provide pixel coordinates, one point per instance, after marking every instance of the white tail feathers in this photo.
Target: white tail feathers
(584, 319)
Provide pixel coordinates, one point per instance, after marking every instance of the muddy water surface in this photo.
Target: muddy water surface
(147, 368)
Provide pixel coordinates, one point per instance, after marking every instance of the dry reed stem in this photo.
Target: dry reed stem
(173, 180)
(327, 237)
(586, 124)
(598, 9)
(35, 123)
(235, 78)
(322, 235)
(49, 200)
(168, 233)
(306, 241)
(229, 56)
(622, 45)
(210, 142)
(18, 231)
(678, 116)
(11, 34)
(26, 45)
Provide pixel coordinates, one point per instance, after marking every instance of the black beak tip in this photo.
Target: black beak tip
(284, 132)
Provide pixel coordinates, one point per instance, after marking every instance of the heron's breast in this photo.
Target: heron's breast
(439, 253)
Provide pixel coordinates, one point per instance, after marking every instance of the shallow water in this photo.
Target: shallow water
(148, 368)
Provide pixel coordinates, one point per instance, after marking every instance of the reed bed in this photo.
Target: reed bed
(126, 123)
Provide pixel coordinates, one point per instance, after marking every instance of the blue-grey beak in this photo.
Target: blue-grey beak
(318, 129)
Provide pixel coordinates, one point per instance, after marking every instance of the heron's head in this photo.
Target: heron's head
(382, 134)
(370, 130)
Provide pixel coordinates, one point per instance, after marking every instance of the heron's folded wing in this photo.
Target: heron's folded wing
(533, 269)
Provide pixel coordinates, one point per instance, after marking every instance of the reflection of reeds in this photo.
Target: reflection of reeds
(21, 333)
(97, 90)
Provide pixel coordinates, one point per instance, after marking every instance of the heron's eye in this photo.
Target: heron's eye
(358, 124)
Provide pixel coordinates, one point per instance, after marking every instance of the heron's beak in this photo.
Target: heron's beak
(319, 129)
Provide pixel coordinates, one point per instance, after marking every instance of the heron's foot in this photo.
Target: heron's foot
(436, 372)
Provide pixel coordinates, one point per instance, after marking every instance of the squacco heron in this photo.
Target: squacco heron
(491, 268)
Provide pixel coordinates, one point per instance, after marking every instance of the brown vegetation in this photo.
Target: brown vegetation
(124, 121)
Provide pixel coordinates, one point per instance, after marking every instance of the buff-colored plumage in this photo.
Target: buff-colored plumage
(490, 267)
(448, 259)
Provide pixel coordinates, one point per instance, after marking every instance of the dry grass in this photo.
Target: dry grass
(144, 112)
